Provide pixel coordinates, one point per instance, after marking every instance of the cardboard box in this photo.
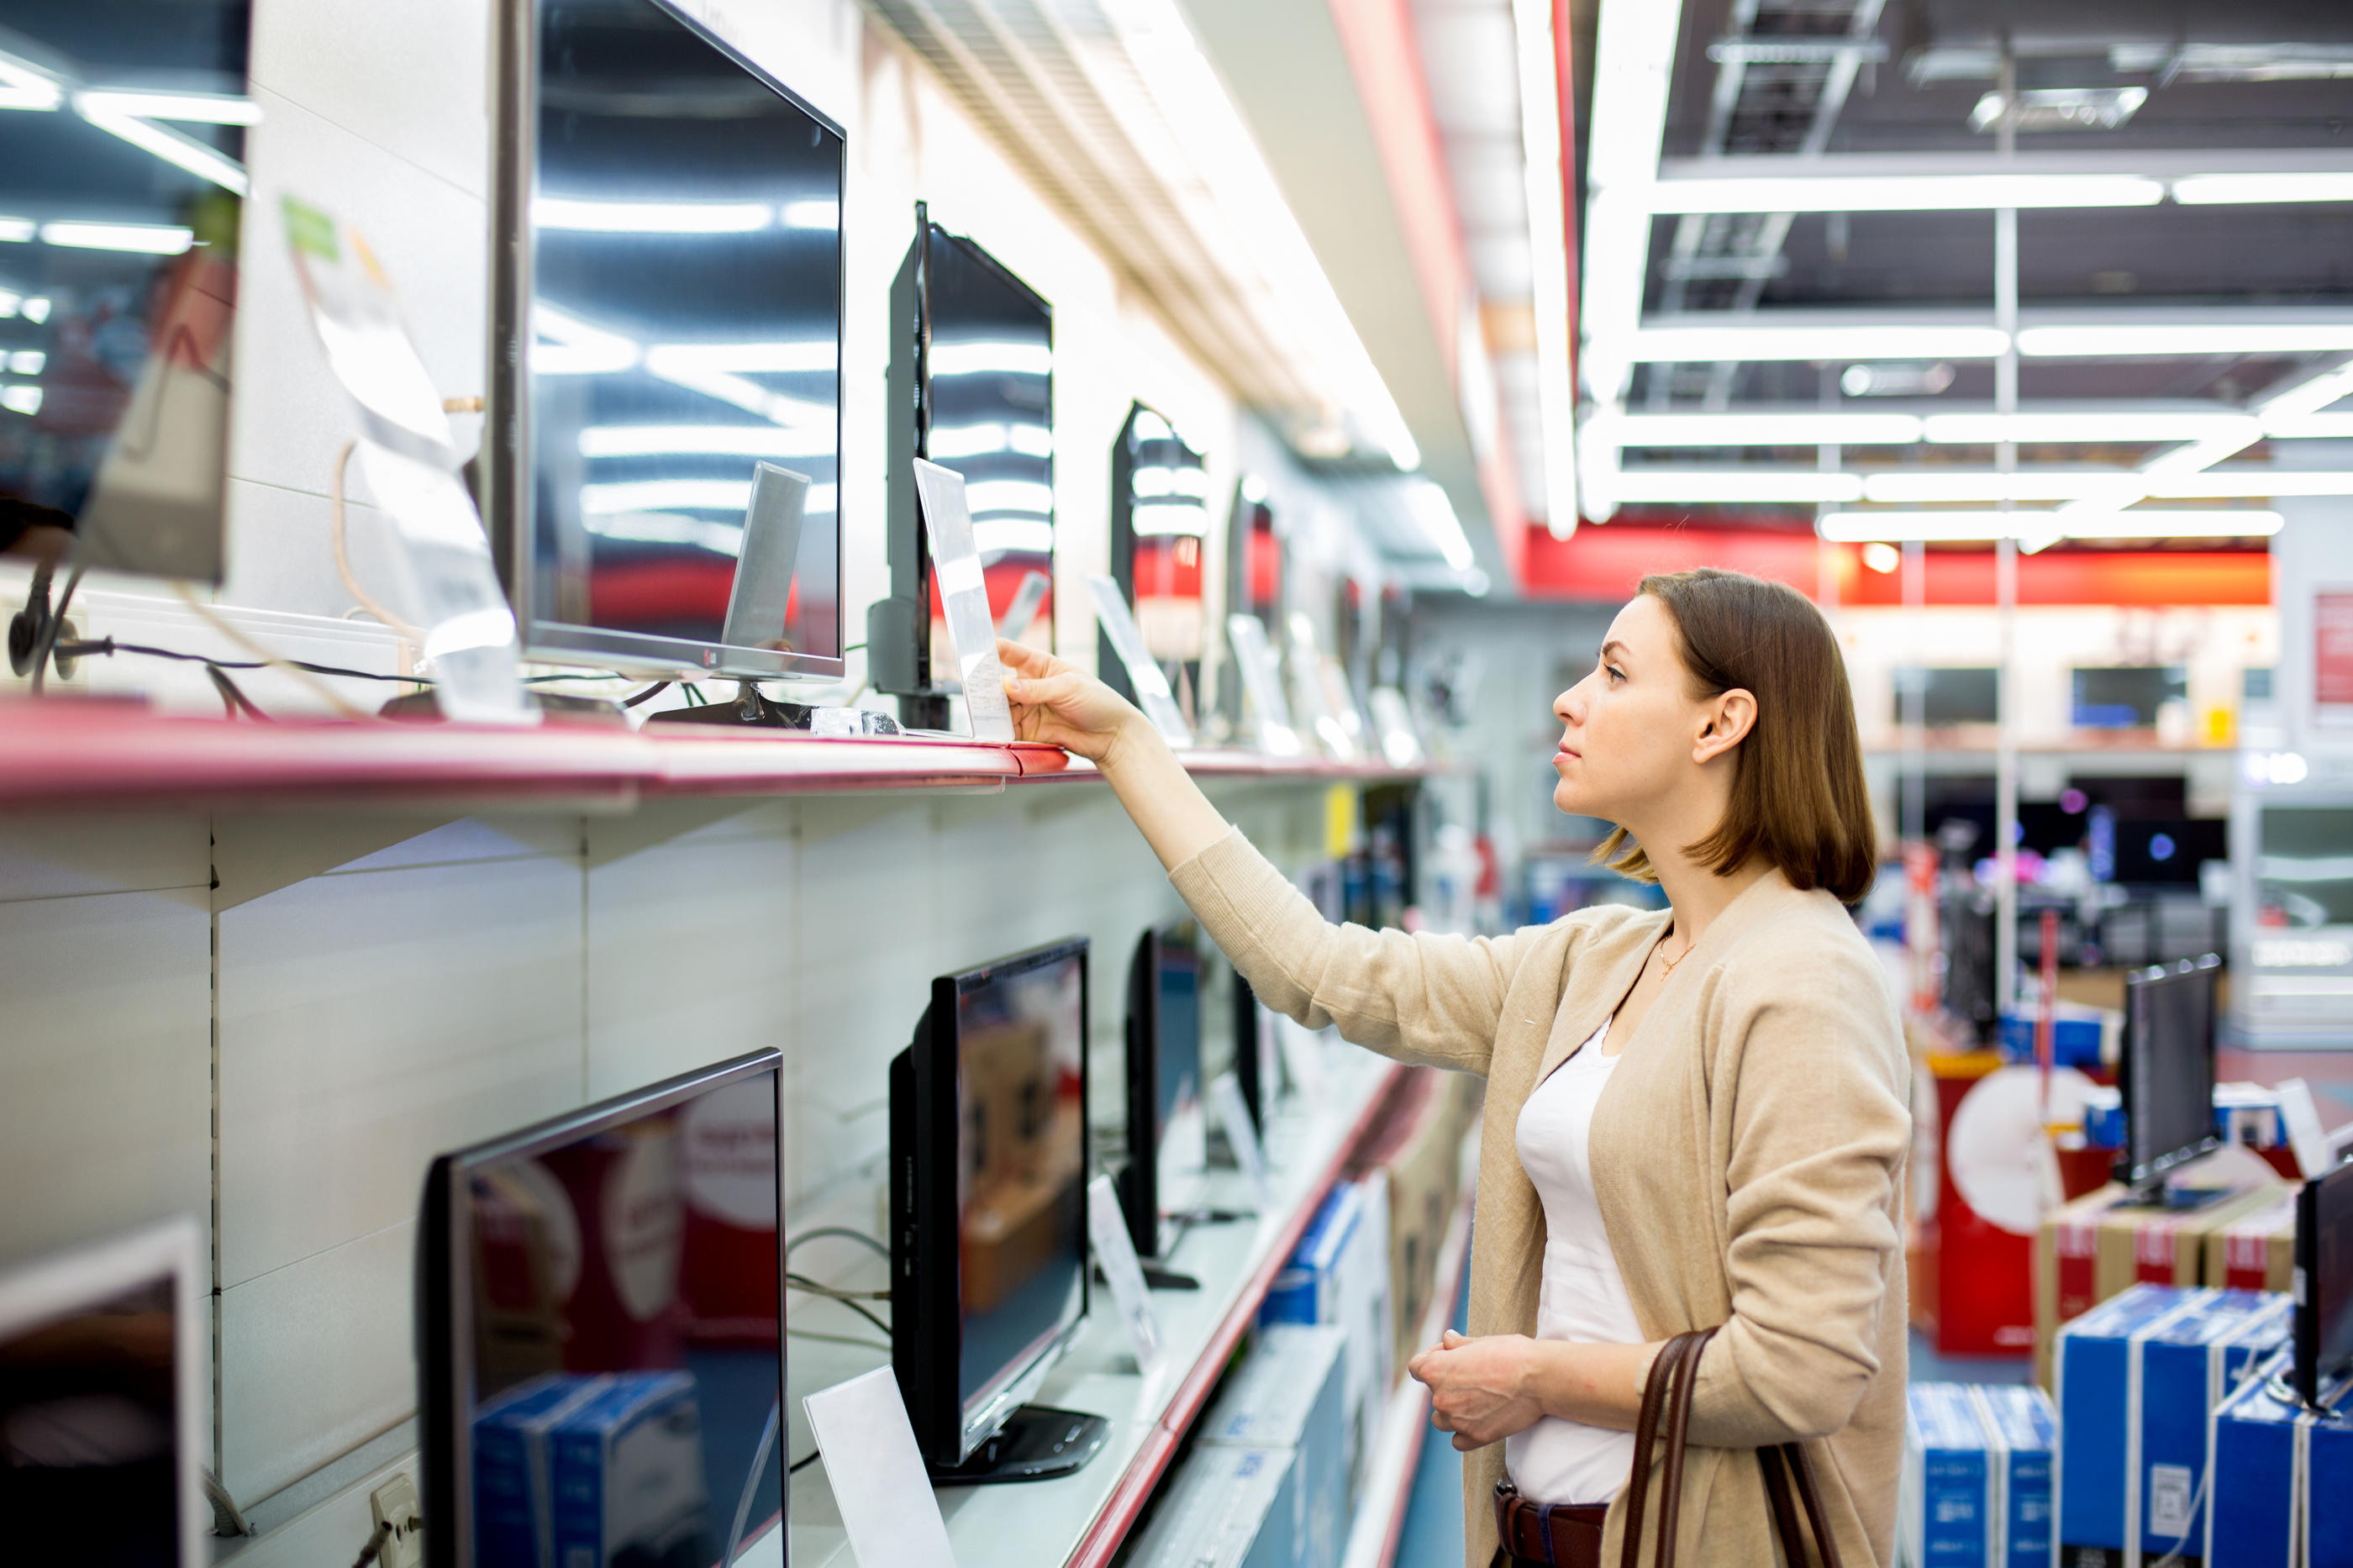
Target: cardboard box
(2093, 1248)
(1290, 1395)
(1977, 1477)
(1227, 1508)
(1338, 1274)
(514, 1508)
(2272, 1459)
(2137, 1378)
(2257, 1250)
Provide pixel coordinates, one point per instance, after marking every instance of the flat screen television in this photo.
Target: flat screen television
(1167, 1130)
(2304, 878)
(2166, 1073)
(600, 1315)
(1948, 697)
(102, 1373)
(121, 187)
(2324, 1272)
(1160, 523)
(2126, 697)
(971, 388)
(2154, 851)
(988, 1215)
(666, 303)
(1257, 1068)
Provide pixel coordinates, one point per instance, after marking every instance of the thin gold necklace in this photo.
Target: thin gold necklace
(1666, 964)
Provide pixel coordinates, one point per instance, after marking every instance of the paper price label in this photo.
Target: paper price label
(1233, 1115)
(1115, 1251)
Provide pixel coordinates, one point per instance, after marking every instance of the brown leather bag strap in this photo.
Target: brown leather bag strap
(1785, 1514)
(1671, 1483)
(1809, 1492)
(1646, 1429)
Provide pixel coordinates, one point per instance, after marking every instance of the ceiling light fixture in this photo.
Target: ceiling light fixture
(1783, 429)
(2220, 190)
(1821, 341)
(1730, 485)
(1634, 54)
(17, 230)
(1898, 527)
(1777, 193)
(192, 107)
(144, 238)
(1548, 256)
(24, 86)
(2186, 340)
(1433, 510)
(176, 148)
(2058, 109)
(2130, 426)
(1895, 380)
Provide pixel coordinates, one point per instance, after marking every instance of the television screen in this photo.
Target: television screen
(2168, 1076)
(1159, 520)
(673, 283)
(2304, 866)
(1182, 1126)
(101, 1364)
(2127, 698)
(602, 1312)
(2324, 1264)
(2166, 849)
(1948, 697)
(121, 185)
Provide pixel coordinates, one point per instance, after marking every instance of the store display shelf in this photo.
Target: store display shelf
(88, 753)
(1080, 1520)
(1404, 1424)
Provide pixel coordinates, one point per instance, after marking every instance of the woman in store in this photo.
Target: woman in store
(1696, 1118)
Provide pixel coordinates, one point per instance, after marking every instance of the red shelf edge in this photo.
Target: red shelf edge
(1109, 1532)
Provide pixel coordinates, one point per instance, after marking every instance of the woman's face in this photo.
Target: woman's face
(1630, 727)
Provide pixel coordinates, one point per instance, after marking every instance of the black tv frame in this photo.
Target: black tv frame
(505, 484)
(1139, 1179)
(2138, 1167)
(444, 1314)
(899, 627)
(1124, 454)
(2325, 1200)
(926, 1276)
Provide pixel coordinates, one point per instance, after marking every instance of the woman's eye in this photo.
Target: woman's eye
(1614, 672)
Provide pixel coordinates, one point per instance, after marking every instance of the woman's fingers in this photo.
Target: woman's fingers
(1020, 656)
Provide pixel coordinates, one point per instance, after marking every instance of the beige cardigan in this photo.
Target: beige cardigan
(1748, 1151)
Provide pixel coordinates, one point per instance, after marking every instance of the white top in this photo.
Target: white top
(1584, 1296)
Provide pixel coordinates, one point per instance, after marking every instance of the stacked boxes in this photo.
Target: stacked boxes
(1419, 1143)
(2257, 1250)
(1290, 1395)
(1227, 1507)
(2137, 1378)
(1977, 1477)
(2272, 1460)
(1338, 1275)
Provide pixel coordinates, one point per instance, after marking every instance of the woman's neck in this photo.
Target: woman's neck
(1698, 893)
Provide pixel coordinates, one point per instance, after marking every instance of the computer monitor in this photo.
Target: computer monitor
(2155, 851)
(971, 388)
(1168, 1132)
(2324, 1269)
(102, 1368)
(666, 304)
(988, 1215)
(123, 181)
(1257, 1066)
(1948, 697)
(600, 1314)
(1159, 520)
(2166, 1074)
(2126, 697)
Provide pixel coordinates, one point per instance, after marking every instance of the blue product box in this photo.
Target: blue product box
(513, 1497)
(1947, 1492)
(2272, 1460)
(627, 1470)
(2138, 1378)
(1289, 1394)
(2023, 1429)
(1227, 1508)
(2074, 1040)
(1308, 1291)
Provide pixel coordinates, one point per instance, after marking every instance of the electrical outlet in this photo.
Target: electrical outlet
(395, 1504)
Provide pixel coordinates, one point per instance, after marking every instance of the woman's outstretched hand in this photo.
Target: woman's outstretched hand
(1060, 705)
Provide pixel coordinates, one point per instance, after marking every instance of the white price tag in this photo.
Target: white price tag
(1233, 1115)
(1115, 1251)
(879, 1485)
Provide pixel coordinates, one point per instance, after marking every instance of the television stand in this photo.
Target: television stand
(2180, 1200)
(1037, 1443)
(751, 709)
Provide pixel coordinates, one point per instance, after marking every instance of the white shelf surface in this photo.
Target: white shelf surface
(1081, 1519)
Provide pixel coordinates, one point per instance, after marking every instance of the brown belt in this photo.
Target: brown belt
(1548, 1535)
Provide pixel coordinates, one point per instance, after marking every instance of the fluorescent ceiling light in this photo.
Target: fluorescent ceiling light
(1540, 109)
(2127, 341)
(1701, 486)
(1915, 192)
(1790, 429)
(26, 400)
(36, 310)
(2254, 483)
(2305, 398)
(989, 359)
(2175, 525)
(146, 238)
(174, 147)
(26, 362)
(1860, 527)
(23, 86)
(649, 217)
(17, 230)
(1825, 341)
(1634, 55)
(716, 440)
(193, 108)
(2216, 190)
(1986, 429)
(1919, 485)
(1431, 508)
(810, 214)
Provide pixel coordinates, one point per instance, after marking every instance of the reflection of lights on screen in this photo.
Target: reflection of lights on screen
(649, 217)
(2301, 952)
(176, 148)
(990, 359)
(811, 214)
(575, 348)
(1007, 536)
(1160, 519)
(1253, 489)
(27, 362)
(690, 366)
(25, 86)
(17, 230)
(1023, 496)
(146, 238)
(196, 108)
(714, 370)
(657, 495)
(36, 309)
(946, 442)
(2161, 846)
(1150, 427)
(1155, 480)
(717, 440)
(21, 399)
(743, 359)
(666, 528)
(2074, 801)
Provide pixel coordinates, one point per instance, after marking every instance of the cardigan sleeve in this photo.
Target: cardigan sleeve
(1821, 1126)
(1418, 997)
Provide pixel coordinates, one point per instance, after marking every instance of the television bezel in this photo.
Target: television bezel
(444, 1316)
(926, 1280)
(2309, 1374)
(1139, 1179)
(2136, 1167)
(506, 454)
(41, 1290)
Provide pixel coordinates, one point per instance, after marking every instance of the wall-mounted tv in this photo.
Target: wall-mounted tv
(666, 319)
(1948, 697)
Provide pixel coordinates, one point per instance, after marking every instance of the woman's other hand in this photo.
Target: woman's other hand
(1478, 1389)
(1060, 705)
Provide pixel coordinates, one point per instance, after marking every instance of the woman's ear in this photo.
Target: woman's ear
(1730, 716)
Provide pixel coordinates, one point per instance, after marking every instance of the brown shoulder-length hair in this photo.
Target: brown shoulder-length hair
(1798, 798)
